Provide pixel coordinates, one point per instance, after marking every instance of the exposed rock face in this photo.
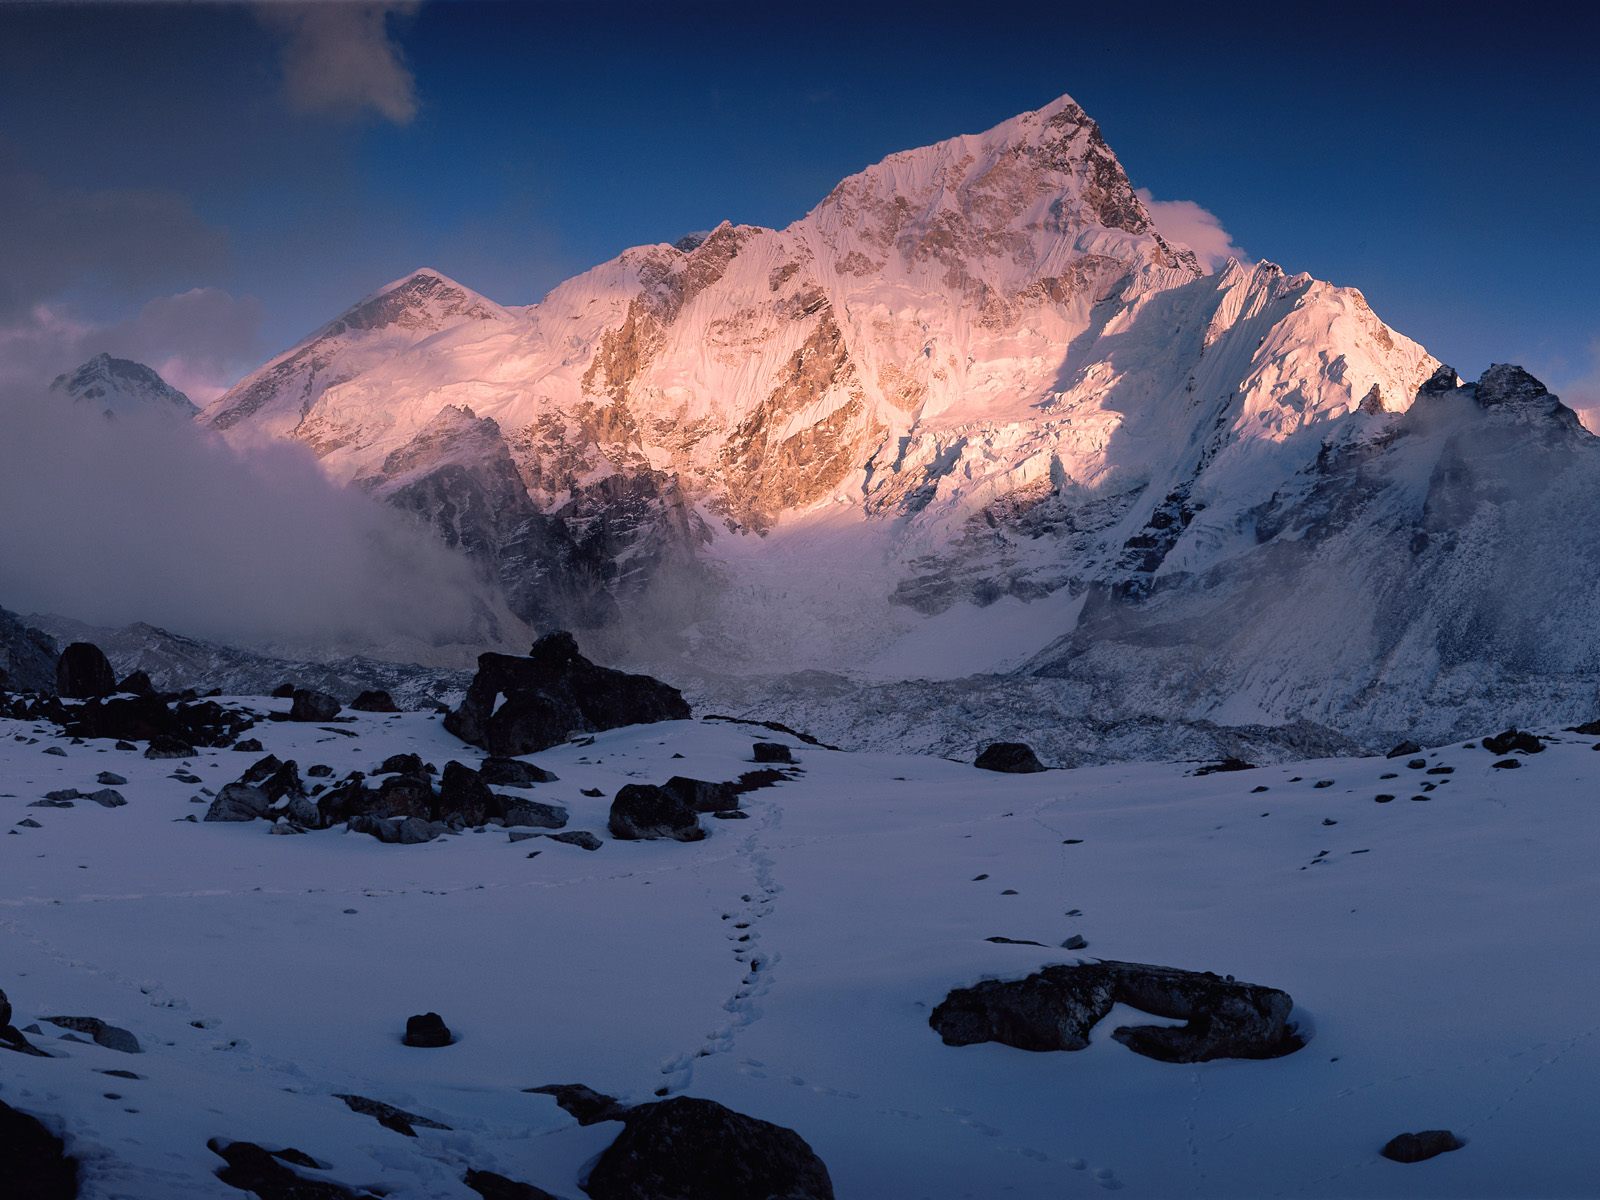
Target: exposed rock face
(1056, 1008)
(552, 694)
(33, 1161)
(692, 1149)
(83, 671)
(1013, 758)
(27, 657)
(641, 812)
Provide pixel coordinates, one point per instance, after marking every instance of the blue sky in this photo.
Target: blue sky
(205, 183)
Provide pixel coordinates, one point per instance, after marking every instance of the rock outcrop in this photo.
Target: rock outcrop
(1056, 1008)
(552, 694)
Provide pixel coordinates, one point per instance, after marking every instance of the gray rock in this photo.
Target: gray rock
(387, 1115)
(586, 1105)
(513, 772)
(581, 838)
(1012, 758)
(1054, 1009)
(533, 815)
(313, 706)
(110, 779)
(1419, 1147)
(108, 798)
(239, 802)
(641, 812)
(109, 1036)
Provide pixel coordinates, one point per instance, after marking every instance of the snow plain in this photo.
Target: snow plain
(1442, 953)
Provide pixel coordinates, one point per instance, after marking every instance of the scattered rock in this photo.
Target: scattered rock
(1588, 729)
(584, 1104)
(1513, 741)
(591, 792)
(427, 1031)
(107, 798)
(691, 1149)
(576, 837)
(1054, 1009)
(33, 1161)
(642, 812)
(167, 746)
(110, 779)
(1416, 764)
(771, 752)
(56, 750)
(1227, 764)
(1404, 748)
(1075, 942)
(388, 1115)
(552, 694)
(1418, 1147)
(1507, 764)
(533, 815)
(253, 1169)
(239, 802)
(313, 706)
(377, 701)
(703, 796)
(283, 691)
(137, 683)
(319, 770)
(1012, 758)
(402, 764)
(249, 746)
(513, 772)
(1006, 941)
(396, 831)
(109, 1036)
(11, 1037)
(83, 672)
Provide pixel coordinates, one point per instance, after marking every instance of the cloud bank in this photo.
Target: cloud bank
(116, 521)
(1201, 230)
(341, 59)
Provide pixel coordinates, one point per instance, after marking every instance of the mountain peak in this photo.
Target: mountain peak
(121, 386)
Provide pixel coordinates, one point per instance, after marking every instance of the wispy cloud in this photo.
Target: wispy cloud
(342, 59)
(1198, 228)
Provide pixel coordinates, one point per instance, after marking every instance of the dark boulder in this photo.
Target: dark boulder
(166, 746)
(1405, 748)
(313, 706)
(641, 812)
(703, 796)
(11, 1037)
(580, 838)
(250, 1168)
(463, 794)
(531, 815)
(131, 718)
(283, 691)
(248, 746)
(771, 752)
(1588, 729)
(1513, 740)
(110, 1036)
(1054, 1009)
(402, 764)
(1419, 1147)
(552, 694)
(239, 802)
(1222, 766)
(691, 1149)
(1013, 758)
(513, 772)
(376, 701)
(396, 831)
(83, 672)
(427, 1031)
(584, 1104)
(497, 1187)
(137, 683)
(33, 1161)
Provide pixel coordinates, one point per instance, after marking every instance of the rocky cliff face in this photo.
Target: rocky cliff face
(972, 413)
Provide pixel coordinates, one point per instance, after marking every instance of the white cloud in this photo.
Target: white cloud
(1185, 222)
(200, 341)
(342, 59)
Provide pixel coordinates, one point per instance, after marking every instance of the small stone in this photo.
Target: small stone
(1416, 764)
(1512, 764)
(109, 779)
(1383, 798)
(1076, 942)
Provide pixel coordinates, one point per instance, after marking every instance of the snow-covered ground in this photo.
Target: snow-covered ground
(1441, 949)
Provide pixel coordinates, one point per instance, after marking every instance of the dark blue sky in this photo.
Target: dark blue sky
(1440, 159)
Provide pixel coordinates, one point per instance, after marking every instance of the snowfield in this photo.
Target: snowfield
(1441, 949)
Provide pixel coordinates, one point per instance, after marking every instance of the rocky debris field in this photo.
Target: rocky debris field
(781, 969)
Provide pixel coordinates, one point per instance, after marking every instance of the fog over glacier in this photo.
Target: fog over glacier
(149, 519)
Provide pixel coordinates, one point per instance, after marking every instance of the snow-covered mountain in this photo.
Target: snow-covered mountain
(121, 386)
(971, 414)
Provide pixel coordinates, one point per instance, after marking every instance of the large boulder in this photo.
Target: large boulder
(239, 802)
(513, 772)
(1054, 1009)
(553, 694)
(313, 706)
(1012, 758)
(1419, 1147)
(463, 794)
(692, 1149)
(33, 1161)
(83, 672)
(641, 812)
(376, 700)
(703, 795)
